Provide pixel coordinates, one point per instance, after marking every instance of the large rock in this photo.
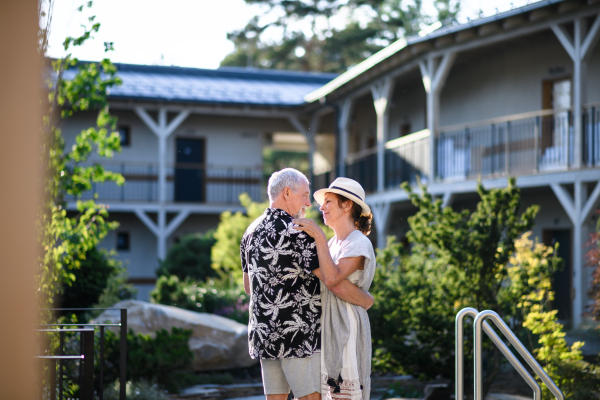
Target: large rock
(217, 342)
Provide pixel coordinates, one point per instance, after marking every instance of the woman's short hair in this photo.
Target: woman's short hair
(287, 177)
(361, 222)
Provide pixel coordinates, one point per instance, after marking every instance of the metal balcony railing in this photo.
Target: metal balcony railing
(186, 183)
(480, 325)
(513, 145)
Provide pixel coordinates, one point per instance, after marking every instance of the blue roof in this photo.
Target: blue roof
(230, 85)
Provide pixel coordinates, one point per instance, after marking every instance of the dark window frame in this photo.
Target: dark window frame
(127, 141)
(127, 241)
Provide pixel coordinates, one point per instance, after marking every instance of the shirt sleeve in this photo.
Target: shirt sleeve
(311, 257)
(357, 246)
(243, 254)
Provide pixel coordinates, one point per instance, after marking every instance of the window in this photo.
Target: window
(122, 240)
(125, 135)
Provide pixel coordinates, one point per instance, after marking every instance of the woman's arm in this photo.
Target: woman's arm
(349, 292)
(333, 273)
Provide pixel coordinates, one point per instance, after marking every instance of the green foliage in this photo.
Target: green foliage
(190, 258)
(140, 390)
(164, 359)
(457, 259)
(276, 160)
(274, 39)
(90, 279)
(66, 239)
(226, 251)
(210, 297)
(531, 277)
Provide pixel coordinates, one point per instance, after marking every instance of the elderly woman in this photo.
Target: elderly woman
(346, 332)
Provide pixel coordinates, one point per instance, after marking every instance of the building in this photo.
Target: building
(192, 142)
(514, 94)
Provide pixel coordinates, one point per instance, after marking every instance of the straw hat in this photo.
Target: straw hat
(348, 188)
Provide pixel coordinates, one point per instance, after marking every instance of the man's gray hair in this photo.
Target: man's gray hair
(287, 177)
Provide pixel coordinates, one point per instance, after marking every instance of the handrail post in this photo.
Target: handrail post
(88, 365)
(101, 362)
(61, 365)
(123, 363)
(459, 372)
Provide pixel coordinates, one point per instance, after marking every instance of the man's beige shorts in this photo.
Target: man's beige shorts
(302, 375)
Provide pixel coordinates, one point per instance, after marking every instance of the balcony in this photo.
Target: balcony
(185, 183)
(522, 144)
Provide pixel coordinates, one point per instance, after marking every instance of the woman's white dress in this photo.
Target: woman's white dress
(350, 388)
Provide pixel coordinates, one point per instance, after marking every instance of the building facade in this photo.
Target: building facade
(512, 95)
(516, 94)
(192, 142)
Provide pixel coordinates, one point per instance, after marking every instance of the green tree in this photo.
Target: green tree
(457, 259)
(66, 239)
(190, 257)
(90, 279)
(330, 35)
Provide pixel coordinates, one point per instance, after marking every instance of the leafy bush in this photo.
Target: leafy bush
(457, 259)
(210, 297)
(226, 251)
(575, 377)
(164, 359)
(140, 390)
(190, 258)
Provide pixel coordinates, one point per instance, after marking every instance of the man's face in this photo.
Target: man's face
(299, 201)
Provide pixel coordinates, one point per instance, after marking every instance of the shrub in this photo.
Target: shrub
(190, 258)
(210, 297)
(89, 279)
(576, 378)
(164, 359)
(457, 259)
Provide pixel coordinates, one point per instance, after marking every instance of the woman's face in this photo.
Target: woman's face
(332, 212)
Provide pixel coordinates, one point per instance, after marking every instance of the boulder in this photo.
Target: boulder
(217, 342)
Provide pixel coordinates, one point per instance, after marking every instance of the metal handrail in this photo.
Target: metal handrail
(459, 349)
(512, 338)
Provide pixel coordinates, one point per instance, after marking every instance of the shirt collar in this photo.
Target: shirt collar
(279, 212)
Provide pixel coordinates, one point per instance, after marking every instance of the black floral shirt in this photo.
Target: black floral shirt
(285, 305)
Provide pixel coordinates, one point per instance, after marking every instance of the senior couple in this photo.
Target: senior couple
(308, 321)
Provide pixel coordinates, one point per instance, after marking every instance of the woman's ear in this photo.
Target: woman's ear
(347, 205)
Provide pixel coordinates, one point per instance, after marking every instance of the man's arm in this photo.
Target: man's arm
(247, 283)
(346, 291)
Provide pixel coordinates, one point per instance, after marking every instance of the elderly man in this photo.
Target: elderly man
(281, 273)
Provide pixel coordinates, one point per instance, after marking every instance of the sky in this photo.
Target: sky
(185, 33)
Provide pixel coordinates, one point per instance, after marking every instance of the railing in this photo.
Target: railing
(86, 356)
(520, 144)
(405, 158)
(591, 138)
(479, 325)
(512, 145)
(190, 183)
